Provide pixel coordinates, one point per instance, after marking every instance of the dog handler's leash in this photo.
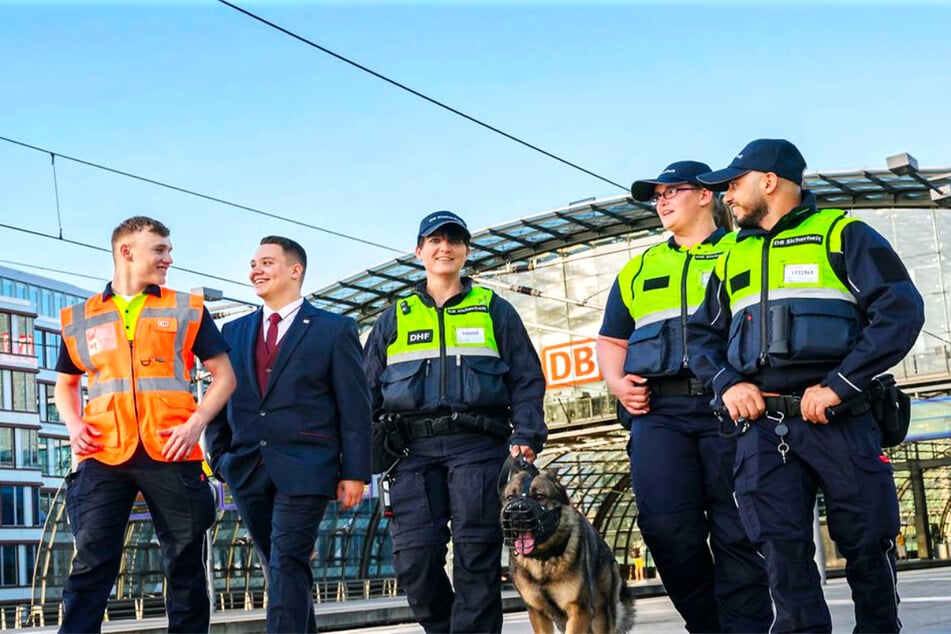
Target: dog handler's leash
(511, 466)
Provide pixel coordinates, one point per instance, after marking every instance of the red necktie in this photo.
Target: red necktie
(270, 338)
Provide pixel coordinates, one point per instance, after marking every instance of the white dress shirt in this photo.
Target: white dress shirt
(287, 318)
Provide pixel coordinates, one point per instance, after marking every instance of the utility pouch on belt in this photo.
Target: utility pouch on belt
(389, 444)
(889, 406)
(891, 409)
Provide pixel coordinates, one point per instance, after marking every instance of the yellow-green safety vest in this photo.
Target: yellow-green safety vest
(661, 288)
(444, 357)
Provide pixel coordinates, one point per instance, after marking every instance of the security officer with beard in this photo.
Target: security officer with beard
(452, 365)
(681, 468)
(798, 317)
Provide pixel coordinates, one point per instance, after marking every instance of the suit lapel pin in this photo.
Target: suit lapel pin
(306, 321)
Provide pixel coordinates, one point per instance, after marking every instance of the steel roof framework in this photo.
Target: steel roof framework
(365, 294)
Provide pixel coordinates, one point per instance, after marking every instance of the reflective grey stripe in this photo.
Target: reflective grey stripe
(112, 386)
(183, 313)
(416, 355)
(471, 351)
(794, 293)
(458, 351)
(77, 330)
(162, 384)
(653, 318)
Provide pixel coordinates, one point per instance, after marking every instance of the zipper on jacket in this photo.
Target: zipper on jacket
(764, 304)
(443, 399)
(683, 311)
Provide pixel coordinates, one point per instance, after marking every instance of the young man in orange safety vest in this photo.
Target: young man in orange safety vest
(137, 342)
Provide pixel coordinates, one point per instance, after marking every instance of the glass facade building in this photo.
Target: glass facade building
(34, 445)
(556, 269)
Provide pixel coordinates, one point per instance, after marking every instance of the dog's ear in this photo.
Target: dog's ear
(562, 491)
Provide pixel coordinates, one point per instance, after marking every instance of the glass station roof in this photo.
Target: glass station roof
(365, 294)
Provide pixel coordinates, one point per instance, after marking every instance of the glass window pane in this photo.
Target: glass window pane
(6, 446)
(5, 335)
(24, 392)
(8, 565)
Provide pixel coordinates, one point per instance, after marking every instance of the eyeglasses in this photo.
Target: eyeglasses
(669, 193)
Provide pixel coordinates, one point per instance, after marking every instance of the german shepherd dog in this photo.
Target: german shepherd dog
(562, 567)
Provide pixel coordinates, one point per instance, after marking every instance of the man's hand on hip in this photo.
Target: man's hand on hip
(814, 402)
(744, 400)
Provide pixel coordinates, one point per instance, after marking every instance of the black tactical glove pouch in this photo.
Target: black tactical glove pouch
(891, 409)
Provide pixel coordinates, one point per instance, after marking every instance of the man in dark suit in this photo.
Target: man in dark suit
(296, 432)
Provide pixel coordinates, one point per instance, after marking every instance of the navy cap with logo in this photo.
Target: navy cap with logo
(439, 219)
(674, 174)
(778, 156)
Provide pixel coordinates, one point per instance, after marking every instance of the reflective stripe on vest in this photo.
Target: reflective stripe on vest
(140, 389)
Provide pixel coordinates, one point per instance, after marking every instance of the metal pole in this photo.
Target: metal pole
(820, 548)
(209, 540)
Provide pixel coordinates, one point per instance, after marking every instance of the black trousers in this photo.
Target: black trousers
(682, 474)
(98, 502)
(447, 488)
(284, 529)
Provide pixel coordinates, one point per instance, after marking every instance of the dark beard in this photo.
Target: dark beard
(755, 216)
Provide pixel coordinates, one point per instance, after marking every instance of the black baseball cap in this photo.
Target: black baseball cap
(778, 156)
(673, 174)
(439, 219)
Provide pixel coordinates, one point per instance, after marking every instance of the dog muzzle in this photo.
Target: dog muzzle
(526, 523)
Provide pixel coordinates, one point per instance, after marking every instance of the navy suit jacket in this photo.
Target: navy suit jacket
(311, 427)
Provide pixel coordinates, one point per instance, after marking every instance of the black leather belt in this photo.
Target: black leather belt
(785, 404)
(428, 427)
(678, 387)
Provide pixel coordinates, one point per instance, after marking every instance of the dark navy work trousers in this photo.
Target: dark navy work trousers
(284, 529)
(450, 481)
(776, 501)
(682, 475)
(98, 502)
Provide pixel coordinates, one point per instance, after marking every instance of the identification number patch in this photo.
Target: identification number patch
(801, 273)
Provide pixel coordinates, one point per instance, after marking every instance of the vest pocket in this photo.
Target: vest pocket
(403, 386)
(823, 331)
(744, 342)
(179, 407)
(101, 414)
(482, 381)
(649, 351)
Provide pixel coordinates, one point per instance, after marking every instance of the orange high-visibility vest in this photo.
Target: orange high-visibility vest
(136, 388)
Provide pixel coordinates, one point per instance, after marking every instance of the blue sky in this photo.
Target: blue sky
(196, 94)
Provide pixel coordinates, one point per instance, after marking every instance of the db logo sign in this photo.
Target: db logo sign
(570, 363)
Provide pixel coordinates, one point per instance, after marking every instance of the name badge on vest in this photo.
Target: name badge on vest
(470, 335)
(801, 274)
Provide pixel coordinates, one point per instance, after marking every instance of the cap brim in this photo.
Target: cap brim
(433, 229)
(642, 191)
(719, 180)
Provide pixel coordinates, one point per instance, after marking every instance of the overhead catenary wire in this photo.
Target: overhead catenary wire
(419, 94)
(197, 194)
(48, 269)
(86, 245)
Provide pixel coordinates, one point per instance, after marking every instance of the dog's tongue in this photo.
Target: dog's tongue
(524, 544)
